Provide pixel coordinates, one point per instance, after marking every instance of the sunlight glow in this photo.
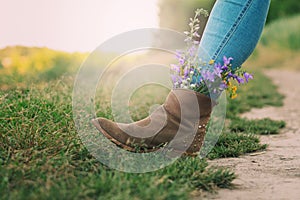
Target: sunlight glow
(72, 25)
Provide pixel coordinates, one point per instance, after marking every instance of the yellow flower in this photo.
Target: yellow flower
(234, 89)
(234, 95)
(228, 84)
(211, 62)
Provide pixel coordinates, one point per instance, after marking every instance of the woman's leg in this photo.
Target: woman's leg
(233, 30)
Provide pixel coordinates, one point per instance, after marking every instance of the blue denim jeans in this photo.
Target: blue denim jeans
(233, 30)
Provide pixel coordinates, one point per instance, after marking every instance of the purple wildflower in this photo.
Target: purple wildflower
(223, 86)
(181, 61)
(231, 75)
(192, 51)
(189, 73)
(218, 70)
(176, 68)
(208, 76)
(224, 68)
(174, 78)
(247, 76)
(240, 80)
(227, 60)
(218, 65)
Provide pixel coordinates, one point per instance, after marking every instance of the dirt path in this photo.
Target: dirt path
(275, 173)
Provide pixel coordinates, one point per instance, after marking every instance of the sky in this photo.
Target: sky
(72, 25)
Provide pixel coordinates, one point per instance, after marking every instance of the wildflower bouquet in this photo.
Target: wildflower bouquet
(210, 78)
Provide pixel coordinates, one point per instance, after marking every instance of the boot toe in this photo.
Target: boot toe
(106, 125)
(110, 130)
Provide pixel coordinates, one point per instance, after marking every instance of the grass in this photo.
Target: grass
(240, 136)
(232, 144)
(256, 94)
(283, 34)
(279, 46)
(41, 156)
(258, 126)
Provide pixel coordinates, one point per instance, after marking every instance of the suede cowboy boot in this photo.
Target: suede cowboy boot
(185, 112)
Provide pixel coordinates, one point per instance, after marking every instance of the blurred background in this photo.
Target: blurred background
(44, 40)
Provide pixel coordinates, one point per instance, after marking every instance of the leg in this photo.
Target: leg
(233, 30)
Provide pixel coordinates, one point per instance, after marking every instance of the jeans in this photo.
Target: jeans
(233, 30)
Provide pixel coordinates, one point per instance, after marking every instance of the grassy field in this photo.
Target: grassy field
(42, 157)
(283, 34)
(279, 46)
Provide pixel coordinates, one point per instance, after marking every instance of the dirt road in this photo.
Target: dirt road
(275, 173)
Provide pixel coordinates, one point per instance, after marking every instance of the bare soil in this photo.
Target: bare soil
(274, 173)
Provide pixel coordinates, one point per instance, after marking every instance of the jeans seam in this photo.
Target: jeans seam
(232, 29)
